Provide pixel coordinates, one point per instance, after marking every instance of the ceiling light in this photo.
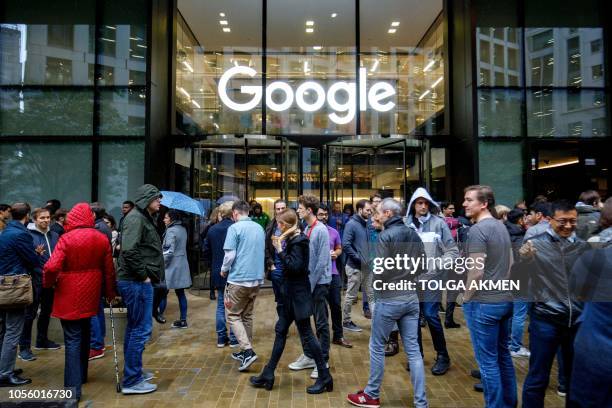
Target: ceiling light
(186, 64)
(273, 168)
(197, 105)
(437, 82)
(310, 23)
(424, 94)
(429, 65)
(392, 30)
(226, 29)
(395, 24)
(221, 14)
(334, 15)
(374, 66)
(317, 47)
(184, 92)
(223, 22)
(310, 30)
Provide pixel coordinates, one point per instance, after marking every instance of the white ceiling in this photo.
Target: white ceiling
(286, 22)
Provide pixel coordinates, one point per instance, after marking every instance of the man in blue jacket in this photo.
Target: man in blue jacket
(44, 243)
(18, 258)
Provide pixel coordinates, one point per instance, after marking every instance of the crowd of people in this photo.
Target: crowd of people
(560, 252)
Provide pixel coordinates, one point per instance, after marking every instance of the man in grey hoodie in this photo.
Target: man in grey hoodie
(439, 243)
(319, 273)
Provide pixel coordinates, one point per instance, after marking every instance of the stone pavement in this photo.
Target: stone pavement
(192, 371)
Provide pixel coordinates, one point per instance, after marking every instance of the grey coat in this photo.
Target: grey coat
(178, 275)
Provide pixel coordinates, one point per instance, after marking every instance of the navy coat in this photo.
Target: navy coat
(17, 249)
(39, 239)
(213, 244)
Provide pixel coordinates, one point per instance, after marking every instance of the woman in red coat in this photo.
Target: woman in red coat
(79, 268)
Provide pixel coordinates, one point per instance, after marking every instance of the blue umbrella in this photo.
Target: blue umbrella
(180, 201)
(226, 198)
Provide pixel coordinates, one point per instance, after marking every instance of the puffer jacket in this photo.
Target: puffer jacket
(141, 248)
(396, 239)
(588, 221)
(17, 249)
(80, 267)
(549, 271)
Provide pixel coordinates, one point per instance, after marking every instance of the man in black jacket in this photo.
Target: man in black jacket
(550, 256)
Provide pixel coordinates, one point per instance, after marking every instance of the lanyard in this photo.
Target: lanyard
(311, 228)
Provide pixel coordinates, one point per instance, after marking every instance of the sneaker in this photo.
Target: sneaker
(142, 387)
(179, 324)
(26, 355)
(441, 365)
(478, 387)
(302, 363)
(222, 343)
(361, 399)
(95, 354)
(234, 343)
(522, 352)
(248, 358)
(350, 326)
(47, 345)
(561, 391)
(315, 372)
(147, 375)
(238, 356)
(367, 314)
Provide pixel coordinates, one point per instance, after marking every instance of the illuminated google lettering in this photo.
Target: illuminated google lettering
(374, 97)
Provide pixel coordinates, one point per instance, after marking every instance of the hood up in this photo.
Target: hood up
(420, 193)
(145, 194)
(81, 216)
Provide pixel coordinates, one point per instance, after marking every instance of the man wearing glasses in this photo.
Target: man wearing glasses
(549, 257)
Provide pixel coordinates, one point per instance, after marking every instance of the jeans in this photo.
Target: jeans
(182, 299)
(25, 342)
(11, 327)
(98, 329)
(138, 299)
(44, 317)
(431, 313)
(384, 317)
(519, 314)
(334, 299)
(489, 325)
(544, 340)
(220, 321)
(319, 303)
(353, 278)
(76, 340)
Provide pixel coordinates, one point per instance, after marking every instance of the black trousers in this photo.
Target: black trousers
(334, 298)
(321, 318)
(76, 339)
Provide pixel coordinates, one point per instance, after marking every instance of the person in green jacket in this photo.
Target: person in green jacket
(140, 264)
(259, 216)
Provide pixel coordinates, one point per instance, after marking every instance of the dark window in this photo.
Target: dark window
(60, 36)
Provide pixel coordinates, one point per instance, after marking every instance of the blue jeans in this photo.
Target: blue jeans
(138, 299)
(519, 314)
(182, 299)
(384, 317)
(98, 329)
(544, 341)
(220, 320)
(431, 312)
(489, 325)
(76, 341)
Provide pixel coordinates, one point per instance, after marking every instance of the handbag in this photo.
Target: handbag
(15, 291)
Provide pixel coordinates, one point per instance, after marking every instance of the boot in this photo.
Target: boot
(451, 324)
(392, 347)
(263, 380)
(325, 382)
(442, 365)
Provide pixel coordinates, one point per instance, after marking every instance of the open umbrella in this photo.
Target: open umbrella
(225, 198)
(182, 202)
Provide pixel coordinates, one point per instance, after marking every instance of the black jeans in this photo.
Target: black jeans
(76, 339)
(334, 298)
(319, 303)
(309, 342)
(25, 340)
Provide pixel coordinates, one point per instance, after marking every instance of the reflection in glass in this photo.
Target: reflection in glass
(498, 56)
(507, 184)
(122, 111)
(34, 172)
(219, 172)
(499, 112)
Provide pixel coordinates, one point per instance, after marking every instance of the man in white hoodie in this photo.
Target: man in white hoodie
(439, 243)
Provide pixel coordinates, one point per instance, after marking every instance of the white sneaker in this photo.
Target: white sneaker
(522, 352)
(315, 373)
(302, 363)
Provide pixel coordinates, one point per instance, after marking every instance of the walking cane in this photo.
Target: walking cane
(112, 319)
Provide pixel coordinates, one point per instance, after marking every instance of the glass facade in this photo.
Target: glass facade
(73, 71)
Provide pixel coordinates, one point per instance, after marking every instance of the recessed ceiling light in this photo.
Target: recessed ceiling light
(317, 47)
(334, 15)
(392, 31)
(221, 14)
(310, 23)
(226, 29)
(310, 30)
(395, 24)
(223, 22)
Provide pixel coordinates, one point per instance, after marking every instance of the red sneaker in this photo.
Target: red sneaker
(94, 354)
(361, 399)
